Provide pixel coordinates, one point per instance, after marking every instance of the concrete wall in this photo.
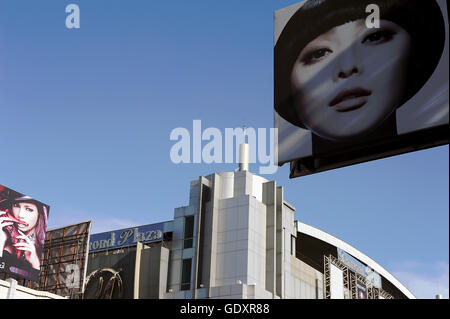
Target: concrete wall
(303, 281)
(236, 291)
(9, 289)
(151, 277)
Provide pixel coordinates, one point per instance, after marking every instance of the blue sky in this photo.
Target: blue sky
(87, 114)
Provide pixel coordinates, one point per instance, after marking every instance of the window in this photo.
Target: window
(292, 245)
(188, 232)
(186, 274)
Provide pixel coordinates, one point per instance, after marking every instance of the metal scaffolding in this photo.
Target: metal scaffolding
(329, 260)
(63, 269)
(350, 279)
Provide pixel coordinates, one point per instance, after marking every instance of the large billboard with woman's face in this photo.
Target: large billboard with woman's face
(357, 80)
(23, 223)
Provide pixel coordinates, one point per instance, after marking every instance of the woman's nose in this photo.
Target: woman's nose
(21, 213)
(347, 64)
(347, 73)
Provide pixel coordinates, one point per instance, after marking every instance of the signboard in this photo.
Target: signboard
(357, 80)
(373, 277)
(357, 267)
(337, 283)
(361, 290)
(105, 283)
(23, 223)
(63, 270)
(126, 237)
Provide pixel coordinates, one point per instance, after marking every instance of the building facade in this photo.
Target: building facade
(10, 289)
(237, 238)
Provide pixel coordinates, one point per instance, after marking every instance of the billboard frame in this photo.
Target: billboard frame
(309, 141)
(63, 244)
(23, 230)
(402, 144)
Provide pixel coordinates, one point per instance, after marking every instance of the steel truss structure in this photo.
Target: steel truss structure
(328, 261)
(350, 281)
(63, 269)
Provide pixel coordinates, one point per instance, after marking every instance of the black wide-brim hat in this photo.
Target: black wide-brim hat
(7, 202)
(422, 19)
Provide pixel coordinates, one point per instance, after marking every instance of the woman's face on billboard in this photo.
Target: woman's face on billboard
(351, 78)
(26, 212)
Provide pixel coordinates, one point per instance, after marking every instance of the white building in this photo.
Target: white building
(237, 238)
(9, 289)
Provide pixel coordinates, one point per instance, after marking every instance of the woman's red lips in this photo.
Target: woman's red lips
(15, 220)
(22, 223)
(351, 99)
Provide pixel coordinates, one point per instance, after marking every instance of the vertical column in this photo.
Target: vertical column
(137, 270)
(12, 288)
(213, 214)
(198, 254)
(279, 243)
(269, 199)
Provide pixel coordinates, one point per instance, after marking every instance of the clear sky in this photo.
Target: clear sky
(87, 113)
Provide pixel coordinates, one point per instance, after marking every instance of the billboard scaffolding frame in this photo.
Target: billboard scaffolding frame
(328, 261)
(350, 279)
(64, 246)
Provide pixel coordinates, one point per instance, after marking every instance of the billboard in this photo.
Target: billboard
(23, 225)
(104, 283)
(64, 265)
(126, 237)
(359, 268)
(337, 283)
(361, 290)
(357, 80)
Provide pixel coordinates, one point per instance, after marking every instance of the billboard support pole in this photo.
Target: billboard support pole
(12, 288)
(137, 270)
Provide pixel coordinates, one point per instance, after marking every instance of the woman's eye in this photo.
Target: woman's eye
(30, 209)
(378, 37)
(315, 56)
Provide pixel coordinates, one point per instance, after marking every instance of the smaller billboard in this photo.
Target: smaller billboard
(373, 277)
(337, 283)
(359, 268)
(361, 290)
(104, 283)
(63, 269)
(23, 224)
(126, 237)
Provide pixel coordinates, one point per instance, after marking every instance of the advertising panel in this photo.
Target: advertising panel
(63, 270)
(23, 225)
(104, 283)
(126, 237)
(359, 268)
(357, 80)
(373, 277)
(361, 290)
(337, 283)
